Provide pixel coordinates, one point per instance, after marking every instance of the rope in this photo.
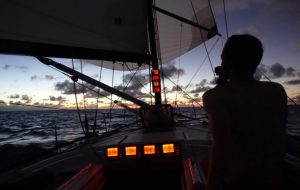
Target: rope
(225, 17)
(151, 97)
(203, 41)
(124, 118)
(184, 91)
(97, 100)
(86, 124)
(178, 64)
(198, 69)
(111, 102)
(75, 92)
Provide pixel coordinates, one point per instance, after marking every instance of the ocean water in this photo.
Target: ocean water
(44, 127)
(34, 133)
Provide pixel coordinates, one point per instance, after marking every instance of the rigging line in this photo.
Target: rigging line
(178, 64)
(86, 124)
(184, 91)
(225, 17)
(203, 41)
(271, 81)
(97, 100)
(123, 81)
(137, 80)
(104, 96)
(111, 102)
(95, 91)
(198, 69)
(75, 93)
(116, 101)
(151, 97)
(83, 90)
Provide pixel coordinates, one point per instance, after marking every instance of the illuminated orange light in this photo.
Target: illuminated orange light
(112, 152)
(156, 89)
(155, 72)
(130, 151)
(168, 148)
(155, 77)
(155, 83)
(149, 149)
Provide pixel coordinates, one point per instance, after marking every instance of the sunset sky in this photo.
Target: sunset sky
(276, 22)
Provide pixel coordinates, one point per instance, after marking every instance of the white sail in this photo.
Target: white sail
(114, 30)
(176, 37)
(114, 25)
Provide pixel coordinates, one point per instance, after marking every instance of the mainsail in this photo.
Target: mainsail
(114, 30)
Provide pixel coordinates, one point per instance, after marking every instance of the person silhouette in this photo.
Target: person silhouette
(247, 119)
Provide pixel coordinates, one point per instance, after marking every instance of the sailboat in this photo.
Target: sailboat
(162, 152)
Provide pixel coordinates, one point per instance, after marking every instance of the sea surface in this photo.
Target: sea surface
(36, 132)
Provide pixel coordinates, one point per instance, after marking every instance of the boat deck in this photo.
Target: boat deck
(192, 138)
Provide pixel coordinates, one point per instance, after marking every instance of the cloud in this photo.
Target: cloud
(202, 83)
(6, 67)
(67, 88)
(261, 69)
(46, 77)
(201, 87)
(277, 70)
(134, 89)
(34, 77)
(293, 82)
(171, 70)
(176, 88)
(59, 98)
(297, 99)
(135, 85)
(213, 81)
(26, 98)
(15, 96)
(249, 30)
(49, 77)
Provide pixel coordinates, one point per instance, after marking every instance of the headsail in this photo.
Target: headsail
(176, 37)
(114, 30)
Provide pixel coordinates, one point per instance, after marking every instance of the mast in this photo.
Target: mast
(154, 59)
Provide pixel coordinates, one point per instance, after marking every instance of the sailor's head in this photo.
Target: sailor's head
(242, 53)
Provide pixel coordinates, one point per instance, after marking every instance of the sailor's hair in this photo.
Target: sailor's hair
(244, 52)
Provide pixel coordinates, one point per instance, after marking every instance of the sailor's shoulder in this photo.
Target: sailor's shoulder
(272, 86)
(209, 93)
